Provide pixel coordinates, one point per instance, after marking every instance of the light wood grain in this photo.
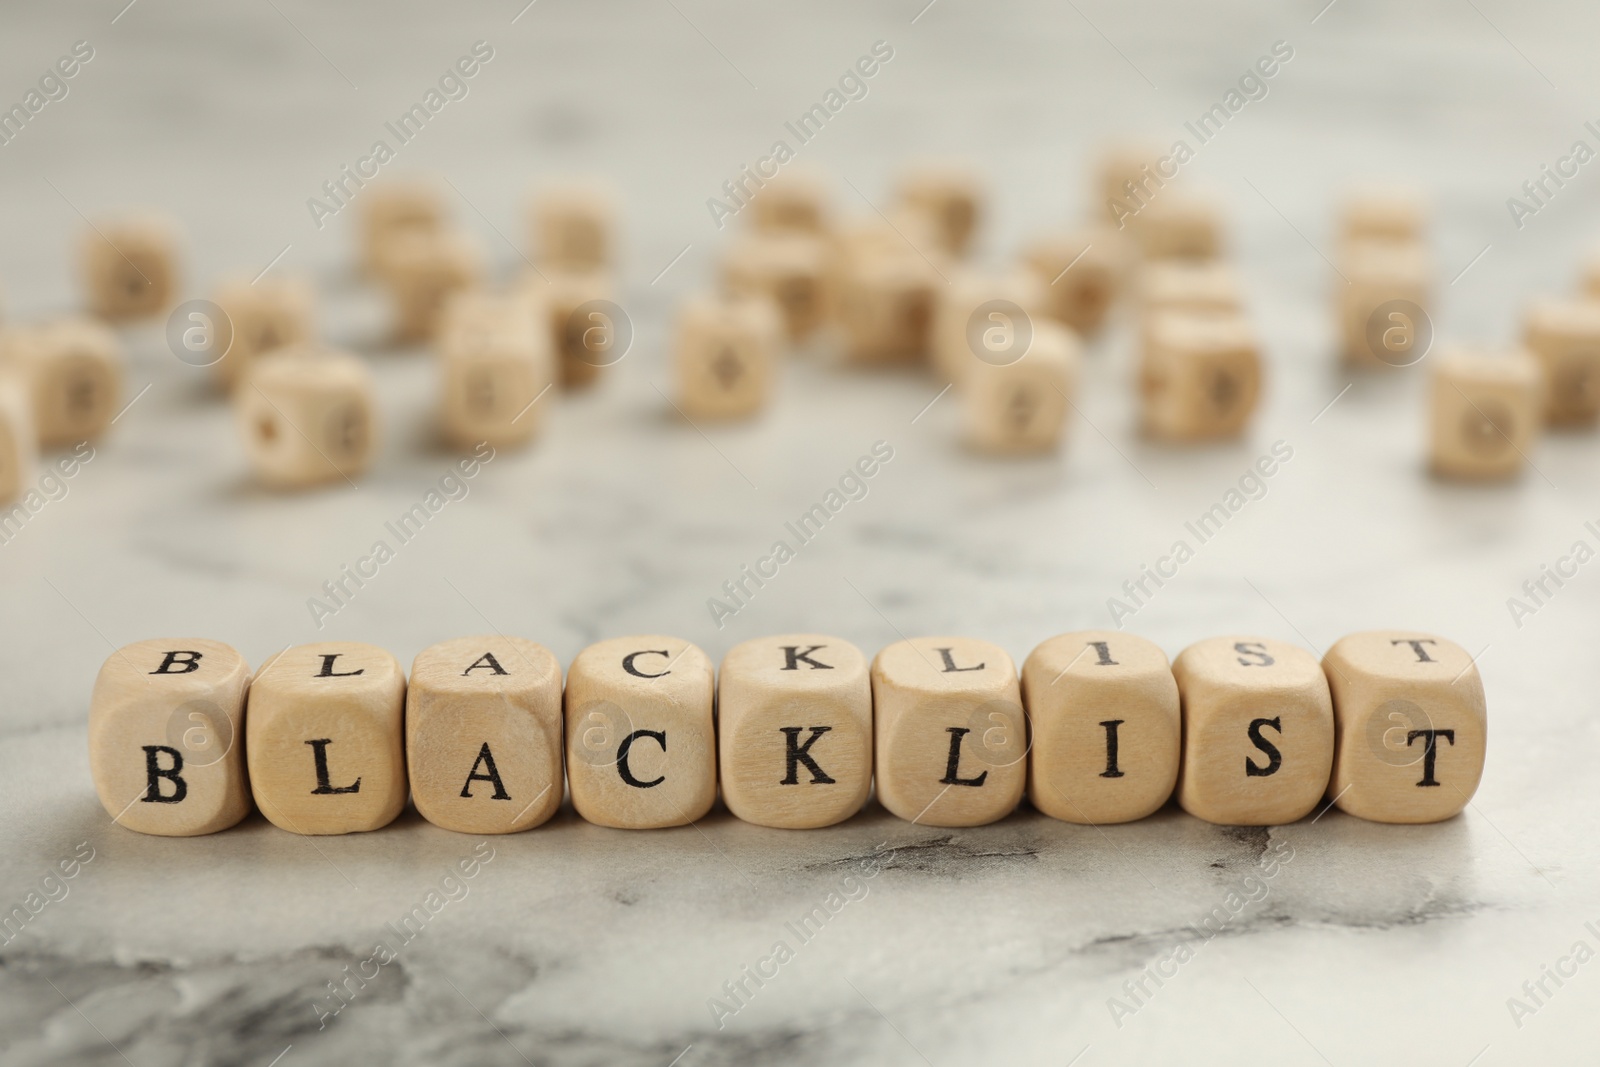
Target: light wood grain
(307, 417)
(726, 356)
(1484, 413)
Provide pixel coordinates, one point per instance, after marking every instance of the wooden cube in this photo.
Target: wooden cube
(1127, 179)
(130, 269)
(19, 442)
(1257, 731)
(952, 744)
(73, 368)
(1384, 214)
(1022, 407)
(1175, 226)
(423, 268)
(326, 738)
(391, 209)
(572, 226)
(641, 739)
(1080, 273)
(586, 333)
(1200, 376)
(794, 200)
(496, 362)
(307, 417)
(950, 197)
(264, 315)
(483, 734)
(885, 305)
(1410, 726)
(166, 737)
(1564, 335)
(1106, 727)
(726, 356)
(787, 268)
(795, 730)
(1203, 285)
(1485, 412)
(984, 317)
(1383, 303)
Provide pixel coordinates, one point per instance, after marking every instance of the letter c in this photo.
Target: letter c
(623, 769)
(627, 663)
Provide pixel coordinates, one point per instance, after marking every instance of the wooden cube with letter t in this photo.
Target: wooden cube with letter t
(641, 741)
(952, 741)
(165, 737)
(325, 738)
(795, 730)
(483, 734)
(1257, 731)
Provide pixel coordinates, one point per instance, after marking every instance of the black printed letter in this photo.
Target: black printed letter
(627, 663)
(793, 657)
(1111, 770)
(952, 775)
(485, 760)
(154, 772)
(950, 662)
(486, 662)
(329, 672)
(1274, 757)
(627, 743)
(1422, 653)
(796, 753)
(324, 787)
(171, 660)
(1430, 750)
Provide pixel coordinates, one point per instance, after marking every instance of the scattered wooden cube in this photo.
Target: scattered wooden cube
(392, 209)
(794, 200)
(496, 362)
(1383, 302)
(641, 739)
(1127, 179)
(787, 268)
(984, 317)
(1384, 214)
(1021, 406)
(1257, 731)
(1175, 226)
(950, 197)
(795, 730)
(726, 356)
(1107, 730)
(951, 747)
(130, 269)
(325, 738)
(1411, 726)
(587, 332)
(423, 268)
(19, 441)
(572, 226)
(166, 737)
(1564, 335)
(73, 369)
(483, 734)
(307, 417)
(1080, 274)
(885, 306)
(263, 316)
(1485, 413)
(1200, 375)
(1203, 285)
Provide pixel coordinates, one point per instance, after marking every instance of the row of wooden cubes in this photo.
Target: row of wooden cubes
(798, 729)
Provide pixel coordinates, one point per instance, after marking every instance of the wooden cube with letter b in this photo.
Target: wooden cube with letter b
(483, 734)
(1257, 731)
(325, 738)
(641, 740)
(1410, 726)
(1103, 708)
(166, 744)
(795, 730)
(952, 740)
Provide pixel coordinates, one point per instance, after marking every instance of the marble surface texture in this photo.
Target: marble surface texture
(575, 944)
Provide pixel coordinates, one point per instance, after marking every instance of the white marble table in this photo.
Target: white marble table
(579, 945)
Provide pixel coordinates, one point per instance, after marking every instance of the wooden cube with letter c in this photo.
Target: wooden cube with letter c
(795, 730)
(952, 740)
(325, 738)
(1410, 726)
(1257, 731)
(166, 737)
(641, 740)
(483, 734)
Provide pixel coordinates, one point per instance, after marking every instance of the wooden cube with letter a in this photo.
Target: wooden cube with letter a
(307, 417)
(130, 269)
(1021, 406)
(1410, 726)
(1257, 731)
(326, 738)
(641, 740)
(1564, 336)
(166, 737)
(1485, 413)
(1106, 727)
(483, 734)
(795, 730)
(727, 351)
(952, 740)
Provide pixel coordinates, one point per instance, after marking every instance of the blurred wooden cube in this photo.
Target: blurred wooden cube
(130, 269)
(1021, 406)
(1485, 413)
(949, 197)
(1080, 274)
(73, 368)
(886, 302)
(1200, 376)
(726, 356)
(792, 201)
(496, 362)
(1203, 285)
(1126, 179)
(307, 417)
(19, 443)
(1564, 335)
(396, 208)
(423, 268)
(982, 316)
(572, 226)
(1390, 213)
(787, 268)
(1382, 303)
(1176, 226)
(263, 316)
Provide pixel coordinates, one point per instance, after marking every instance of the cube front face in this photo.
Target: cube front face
(641, 743)
(271, 314)
(983, 318)
(307, 419)
(76, 370)
(1386, 287)
(795, 730)
(483, 734)
(951, 202)
(725, 355)
(325, 736)
(1200, 378)
(1079, 275)
(424, 270)
(572, 228)
(788, 269)
(1257, 731)
(130, 271)
(886, 307)
(1106, 728)
(1411, 726)
(951, 734)
(1485, 413)
(166, 737)
(1022, 407)
(1565, 337)
(491, 398)
(584, 341)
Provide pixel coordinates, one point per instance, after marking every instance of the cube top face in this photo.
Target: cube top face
(1485, 413)
(572, 225)
(1186, 284)
(130, 268)
(794, 200)
(483, 734)
(1411, 724)
(952, 743)
(1175, 226)
(1392, 214)
(752, 319)
(476, 323)
(641, 745)
(1257, 731)
(325, 738)
(306, 416)
(1107, 731)
(402, 203)
(795, 730)
(166, 736)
